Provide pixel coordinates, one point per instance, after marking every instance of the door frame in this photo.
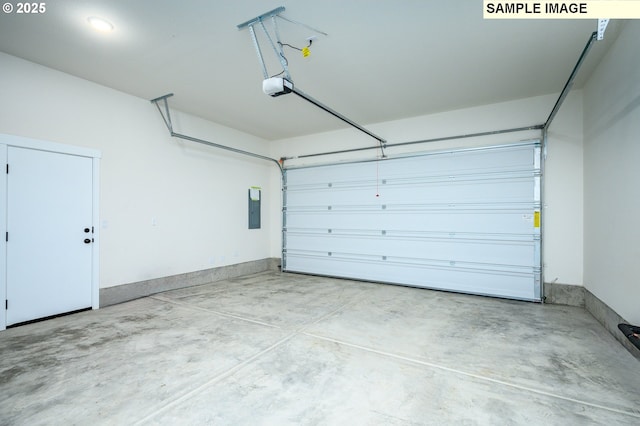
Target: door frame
(21, 142)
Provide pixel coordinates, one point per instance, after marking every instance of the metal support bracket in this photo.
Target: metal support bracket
(602, 26)
(256, 46)
(277, 50)
(279, 53)
(258, 18)
(166, 116)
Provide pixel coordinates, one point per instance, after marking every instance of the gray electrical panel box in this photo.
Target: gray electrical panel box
(254, 207)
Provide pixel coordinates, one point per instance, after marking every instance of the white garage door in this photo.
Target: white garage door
(465, 221)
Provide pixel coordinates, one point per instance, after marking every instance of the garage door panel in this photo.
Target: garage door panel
(438, 219)
(452, 250)
(509, 284)
(433, 164)
(485, 191)
(518, 221)
(480, 160)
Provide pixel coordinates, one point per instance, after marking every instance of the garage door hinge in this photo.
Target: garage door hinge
(7, 168)
(6, 304)
(6, 236)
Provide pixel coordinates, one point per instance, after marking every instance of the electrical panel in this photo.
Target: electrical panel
(254, 207)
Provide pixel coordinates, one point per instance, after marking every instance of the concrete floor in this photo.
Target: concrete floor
(276, 349)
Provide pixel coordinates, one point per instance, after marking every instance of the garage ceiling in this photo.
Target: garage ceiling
(381, 60)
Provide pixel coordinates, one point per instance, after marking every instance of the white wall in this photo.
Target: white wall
(197, 194)
(612, 176)
(564, 195)
(563, 198)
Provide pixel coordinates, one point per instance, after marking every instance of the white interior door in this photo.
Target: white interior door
(465, 221)
(49, 221)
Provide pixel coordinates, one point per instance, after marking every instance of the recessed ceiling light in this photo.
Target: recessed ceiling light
(100, 24)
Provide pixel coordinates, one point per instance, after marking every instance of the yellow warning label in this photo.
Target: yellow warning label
(536, 219)
(306, 51)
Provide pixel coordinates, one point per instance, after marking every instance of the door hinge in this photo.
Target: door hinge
(6, 237)
(7, 168)
(6, 304)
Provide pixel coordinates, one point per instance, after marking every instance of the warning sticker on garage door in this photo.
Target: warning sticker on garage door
(532, 218)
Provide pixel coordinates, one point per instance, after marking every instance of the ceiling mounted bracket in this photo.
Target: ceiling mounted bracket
(602, 26)
(166, 116)
(250, 22)
(277, 48)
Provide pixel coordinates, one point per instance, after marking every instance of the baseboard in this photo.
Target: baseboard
(125, 292)
(564, 294)
(609, 320)
(575, 295)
